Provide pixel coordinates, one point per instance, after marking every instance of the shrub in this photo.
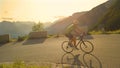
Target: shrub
(22, 38)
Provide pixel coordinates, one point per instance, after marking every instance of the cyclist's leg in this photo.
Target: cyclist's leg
(70, 39)
(70, 42)
(74, 41)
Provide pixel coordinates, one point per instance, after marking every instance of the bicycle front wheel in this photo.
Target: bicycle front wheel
(86, 46)
(67, 48)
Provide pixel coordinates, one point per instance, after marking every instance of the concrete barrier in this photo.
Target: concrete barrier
(37, 35)
(4, 38)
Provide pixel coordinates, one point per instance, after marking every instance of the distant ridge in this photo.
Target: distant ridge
(60, 25)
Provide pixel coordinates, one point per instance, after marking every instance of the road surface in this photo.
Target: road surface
(106, 49)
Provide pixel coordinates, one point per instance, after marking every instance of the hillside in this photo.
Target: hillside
(88, 18)
(111, 20)
(93, 16)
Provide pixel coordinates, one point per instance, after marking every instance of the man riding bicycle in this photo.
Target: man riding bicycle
(73, 31)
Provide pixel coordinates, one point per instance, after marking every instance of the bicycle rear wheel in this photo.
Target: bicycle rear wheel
(86, 46)
(67, 48)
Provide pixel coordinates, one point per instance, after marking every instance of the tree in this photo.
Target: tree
(38, 27)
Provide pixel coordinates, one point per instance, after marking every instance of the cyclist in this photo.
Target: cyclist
(73, 31)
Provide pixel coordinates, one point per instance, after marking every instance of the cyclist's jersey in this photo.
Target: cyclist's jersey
(70, 30)
(74, 30)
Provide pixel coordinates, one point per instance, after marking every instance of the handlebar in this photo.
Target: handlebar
(82, 35)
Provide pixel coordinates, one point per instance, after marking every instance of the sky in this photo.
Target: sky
(43, 10)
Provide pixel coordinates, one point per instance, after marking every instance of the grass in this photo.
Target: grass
(96, 32)
(49, 36)
(22, 64)
(114, 32)
(22, 38)
(54, 35)
(103, 32)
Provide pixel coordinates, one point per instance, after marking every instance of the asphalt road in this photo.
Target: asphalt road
(106, 50)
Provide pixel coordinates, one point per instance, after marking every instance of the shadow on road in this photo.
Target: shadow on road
(34, 41)
(4, 43)
(89, 37)
(80, 61)
(1, 44)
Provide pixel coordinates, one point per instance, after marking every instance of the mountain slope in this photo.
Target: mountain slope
(93, 16)
(89, 18)
(111, 20)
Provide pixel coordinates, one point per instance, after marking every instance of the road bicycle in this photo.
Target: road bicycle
(84, 45)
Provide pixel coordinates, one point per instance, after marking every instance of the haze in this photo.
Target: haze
(43, 10)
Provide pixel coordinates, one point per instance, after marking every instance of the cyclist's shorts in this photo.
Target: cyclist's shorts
(70, 36)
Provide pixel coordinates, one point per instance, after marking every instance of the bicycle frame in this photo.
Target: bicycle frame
(80, 40)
